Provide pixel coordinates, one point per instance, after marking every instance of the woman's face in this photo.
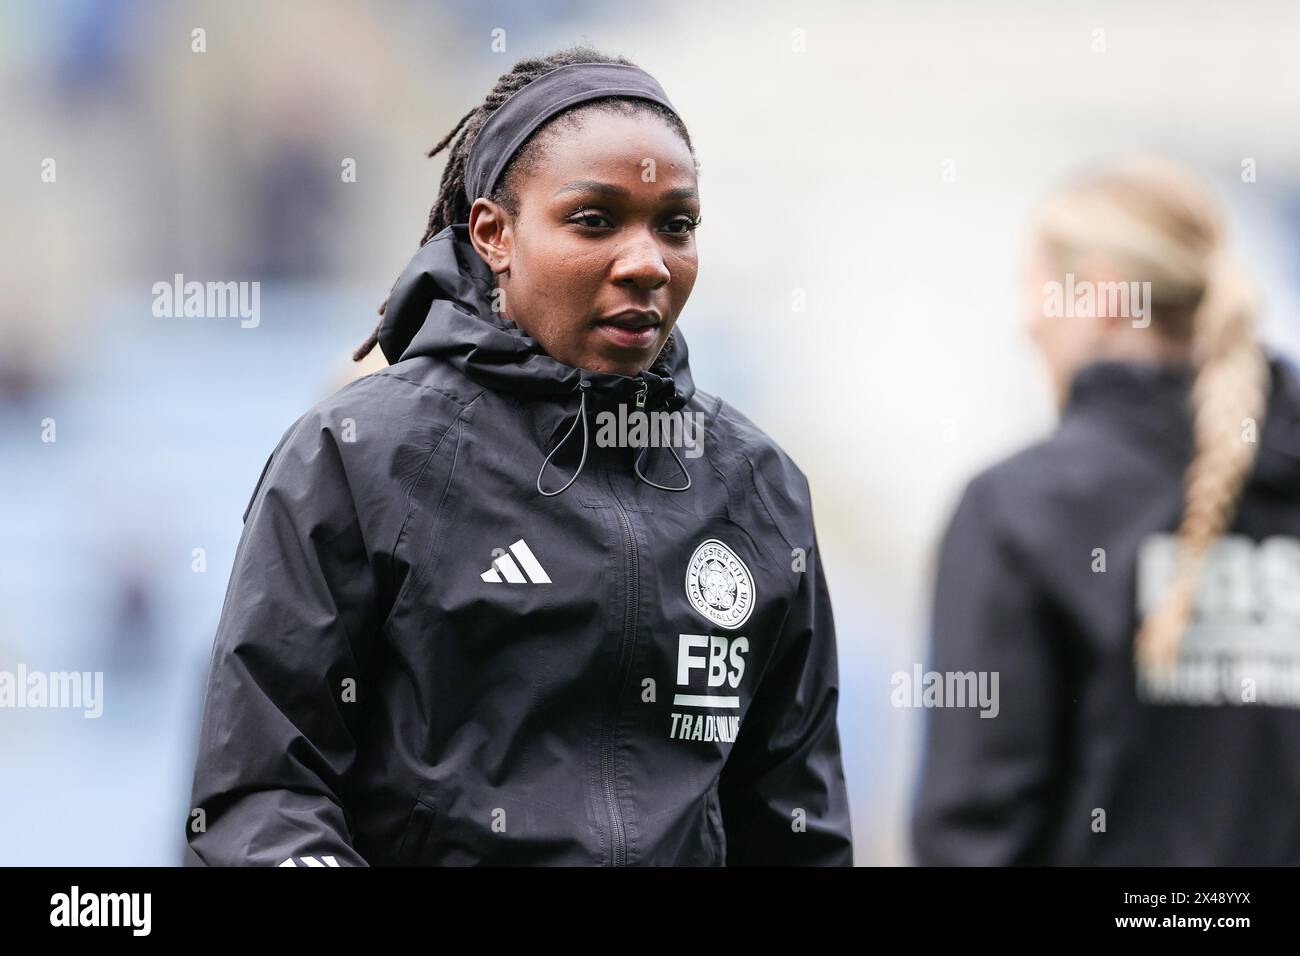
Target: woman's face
(601, 257)
(1065, 342)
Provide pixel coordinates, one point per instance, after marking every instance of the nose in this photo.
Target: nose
(639, 263)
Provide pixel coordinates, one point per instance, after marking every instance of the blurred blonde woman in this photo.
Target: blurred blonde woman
(1130, 586)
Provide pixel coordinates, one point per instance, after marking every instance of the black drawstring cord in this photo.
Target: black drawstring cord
(583, 386)
(636, 466)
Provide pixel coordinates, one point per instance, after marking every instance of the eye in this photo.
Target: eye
(590, 219)
(682, 225)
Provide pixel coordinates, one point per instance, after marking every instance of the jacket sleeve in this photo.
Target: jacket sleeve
(782, 791)
(984, 794)
(279, 727)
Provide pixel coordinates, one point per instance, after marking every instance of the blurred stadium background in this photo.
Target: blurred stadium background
(885, 172)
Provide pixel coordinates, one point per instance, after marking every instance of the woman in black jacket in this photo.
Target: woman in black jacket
(527, 596)
(1129, 587)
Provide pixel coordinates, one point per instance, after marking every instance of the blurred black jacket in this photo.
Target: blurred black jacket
(1084, 764)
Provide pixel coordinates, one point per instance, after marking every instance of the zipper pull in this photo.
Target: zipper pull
(641, 394)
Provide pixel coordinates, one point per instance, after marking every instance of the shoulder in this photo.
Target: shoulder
(1030, 500)
(404, 403)
(381, 428)
(751, 458)
(1082, 458)
(422, 384)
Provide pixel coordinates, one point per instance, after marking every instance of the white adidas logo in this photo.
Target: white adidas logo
(312, 861)
(505, 568)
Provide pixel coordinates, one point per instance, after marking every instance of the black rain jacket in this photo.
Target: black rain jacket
(424, 659)
(1046, 567)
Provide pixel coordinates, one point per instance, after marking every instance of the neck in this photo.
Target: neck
(1128, 344)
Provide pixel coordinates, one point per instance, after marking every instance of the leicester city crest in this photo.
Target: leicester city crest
(719, 585)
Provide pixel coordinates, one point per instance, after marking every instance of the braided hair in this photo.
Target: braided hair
(1154, 218)
(452, 205)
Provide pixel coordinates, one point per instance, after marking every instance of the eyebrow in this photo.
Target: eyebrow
(609, 189)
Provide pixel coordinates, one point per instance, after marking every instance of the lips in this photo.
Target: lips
(634, 319)
(631, 329)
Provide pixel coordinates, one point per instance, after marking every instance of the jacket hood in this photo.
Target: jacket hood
(1153, 403)
(441, 306)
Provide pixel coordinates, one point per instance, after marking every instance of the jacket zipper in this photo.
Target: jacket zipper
(624, 659)
(624, 662)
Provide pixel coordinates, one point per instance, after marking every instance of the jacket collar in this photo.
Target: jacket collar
(1152, 404)
(1145, 401)
(441, 306)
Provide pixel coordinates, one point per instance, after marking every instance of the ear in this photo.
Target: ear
(492, 233)
(1102, 272)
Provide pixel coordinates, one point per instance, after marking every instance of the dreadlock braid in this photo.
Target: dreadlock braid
(451, 204)
(1154, 219)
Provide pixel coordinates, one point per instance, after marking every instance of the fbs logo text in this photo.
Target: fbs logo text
(721, 663)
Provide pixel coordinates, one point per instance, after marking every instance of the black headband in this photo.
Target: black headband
(528, 108)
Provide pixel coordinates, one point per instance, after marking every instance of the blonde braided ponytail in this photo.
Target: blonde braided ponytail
(1156, 221)
(1228, 398)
